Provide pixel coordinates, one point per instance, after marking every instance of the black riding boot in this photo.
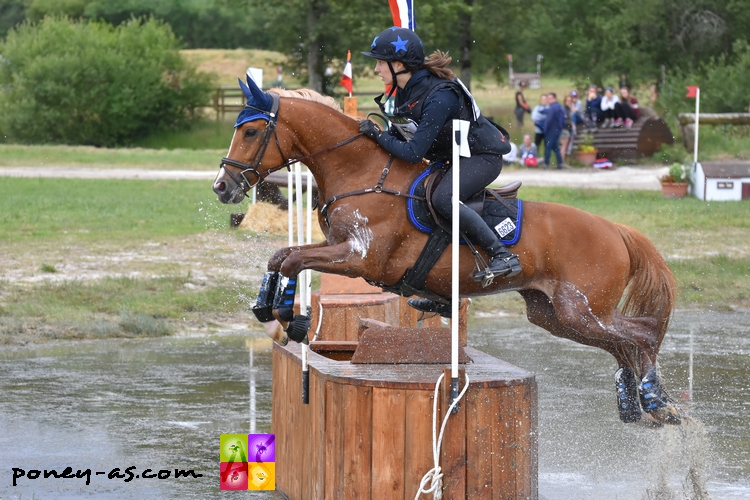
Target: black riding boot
(430, 306)
(502, 264)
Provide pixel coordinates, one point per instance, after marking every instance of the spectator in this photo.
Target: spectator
(654, 94)
(624, 81)
(608, 107)
(577, 110)
(568, 131)
(539, 116)
(521, 105)
(626, 109)
(553, 127)
(593, 107)
(528, 152)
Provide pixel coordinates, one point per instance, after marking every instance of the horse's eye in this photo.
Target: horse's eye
(249, 133)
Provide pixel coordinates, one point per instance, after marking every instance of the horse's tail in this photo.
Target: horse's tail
(651, 285)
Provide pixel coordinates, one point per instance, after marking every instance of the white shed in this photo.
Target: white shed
(722, 180)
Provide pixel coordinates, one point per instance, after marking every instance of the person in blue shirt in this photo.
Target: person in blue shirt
(553, 127)
(431, 97)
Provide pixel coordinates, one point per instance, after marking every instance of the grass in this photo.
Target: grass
(49, 157)
(48, 211)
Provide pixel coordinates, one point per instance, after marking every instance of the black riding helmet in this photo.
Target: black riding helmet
(397, 44)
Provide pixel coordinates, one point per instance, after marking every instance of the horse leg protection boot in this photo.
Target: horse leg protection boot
(627, 395)
(263, 308)
(430, 306)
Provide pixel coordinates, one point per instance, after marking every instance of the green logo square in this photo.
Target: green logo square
(233, 447)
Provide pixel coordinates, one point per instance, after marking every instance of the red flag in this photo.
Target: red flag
(692, 91)
(346, 78)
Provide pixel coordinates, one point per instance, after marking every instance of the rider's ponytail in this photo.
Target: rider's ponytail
(437, 63)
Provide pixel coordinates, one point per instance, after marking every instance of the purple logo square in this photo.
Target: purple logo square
(261, 447)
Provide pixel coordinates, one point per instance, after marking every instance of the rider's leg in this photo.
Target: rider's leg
(476, 173)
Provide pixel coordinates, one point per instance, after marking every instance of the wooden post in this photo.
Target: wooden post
(350, 106)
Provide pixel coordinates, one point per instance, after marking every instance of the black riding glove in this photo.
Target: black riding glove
(370, 129)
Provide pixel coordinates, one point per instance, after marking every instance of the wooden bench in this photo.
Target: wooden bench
(642, 140)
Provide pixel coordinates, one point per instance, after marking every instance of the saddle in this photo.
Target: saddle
(476, 202)
(500, 208)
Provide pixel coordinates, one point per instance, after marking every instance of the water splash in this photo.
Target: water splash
(681, 452)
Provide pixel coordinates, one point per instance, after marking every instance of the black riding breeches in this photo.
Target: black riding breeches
(477, 173)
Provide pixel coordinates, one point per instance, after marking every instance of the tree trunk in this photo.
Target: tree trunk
(315, 66)
(465, 42)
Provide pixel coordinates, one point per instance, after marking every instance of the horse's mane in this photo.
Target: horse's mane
(308, 95)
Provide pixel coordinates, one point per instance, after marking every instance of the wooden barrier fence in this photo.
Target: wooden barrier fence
(687, 123)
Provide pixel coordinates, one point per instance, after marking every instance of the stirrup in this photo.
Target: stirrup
(487, 275)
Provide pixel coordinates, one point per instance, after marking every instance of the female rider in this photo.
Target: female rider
(431, 96)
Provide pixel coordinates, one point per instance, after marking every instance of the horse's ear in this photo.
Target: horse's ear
(255, 95)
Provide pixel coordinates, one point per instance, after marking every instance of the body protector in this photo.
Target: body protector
(484, 136)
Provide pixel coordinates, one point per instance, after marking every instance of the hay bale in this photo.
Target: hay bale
(270, 219)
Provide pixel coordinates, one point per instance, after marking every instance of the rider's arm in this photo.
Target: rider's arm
(442, 105)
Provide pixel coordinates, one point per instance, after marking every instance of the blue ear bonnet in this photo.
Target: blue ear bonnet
(259, 104)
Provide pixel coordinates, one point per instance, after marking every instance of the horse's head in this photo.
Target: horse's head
(248, 160)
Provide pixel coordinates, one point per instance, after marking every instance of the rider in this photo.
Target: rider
(431, 95)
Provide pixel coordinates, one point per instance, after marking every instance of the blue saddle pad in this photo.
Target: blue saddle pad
(505, 217)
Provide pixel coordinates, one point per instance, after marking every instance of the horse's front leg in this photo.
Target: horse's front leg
(275, 262)
(336, 259)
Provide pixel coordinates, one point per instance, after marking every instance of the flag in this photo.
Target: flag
(692, 91)
(346, 78)
(402, 12)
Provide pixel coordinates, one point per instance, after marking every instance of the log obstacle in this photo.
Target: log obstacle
(367, 430)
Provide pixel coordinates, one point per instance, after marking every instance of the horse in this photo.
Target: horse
(583, 277)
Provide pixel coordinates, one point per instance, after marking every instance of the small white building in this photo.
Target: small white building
(721, 180)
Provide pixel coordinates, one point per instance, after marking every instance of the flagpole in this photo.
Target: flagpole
(697, 118)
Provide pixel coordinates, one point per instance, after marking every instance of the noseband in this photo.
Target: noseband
(252, 167)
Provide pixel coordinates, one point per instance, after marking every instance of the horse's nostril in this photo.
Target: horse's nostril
(222, 186)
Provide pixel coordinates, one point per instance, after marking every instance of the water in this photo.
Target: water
(162, 404)
(584, 450)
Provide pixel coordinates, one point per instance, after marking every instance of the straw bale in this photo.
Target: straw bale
(267, 218)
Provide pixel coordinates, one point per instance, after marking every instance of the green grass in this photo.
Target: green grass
(208, 133)
(48, 157)
(45, 210)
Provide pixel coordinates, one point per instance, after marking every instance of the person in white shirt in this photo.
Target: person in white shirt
(608, 107)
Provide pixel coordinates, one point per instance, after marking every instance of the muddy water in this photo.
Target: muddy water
(162, 404)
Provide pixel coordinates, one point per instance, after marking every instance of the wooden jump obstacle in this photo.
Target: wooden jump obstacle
(367, 430)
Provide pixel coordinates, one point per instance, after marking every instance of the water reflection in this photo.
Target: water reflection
(162, 404)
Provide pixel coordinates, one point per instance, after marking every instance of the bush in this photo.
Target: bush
(89, 83)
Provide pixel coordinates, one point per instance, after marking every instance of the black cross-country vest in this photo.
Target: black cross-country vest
(484, 137)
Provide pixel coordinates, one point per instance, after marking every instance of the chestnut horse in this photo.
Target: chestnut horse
(577, 267)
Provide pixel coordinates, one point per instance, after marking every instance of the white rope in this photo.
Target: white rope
(434, 476)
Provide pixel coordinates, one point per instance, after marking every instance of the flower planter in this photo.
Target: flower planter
(587, 158)
(674, 189)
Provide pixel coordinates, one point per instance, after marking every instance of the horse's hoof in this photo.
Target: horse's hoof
(667, 415)
(627, 395)
(276, 332)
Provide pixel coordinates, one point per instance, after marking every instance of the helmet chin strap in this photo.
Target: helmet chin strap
(394, 74)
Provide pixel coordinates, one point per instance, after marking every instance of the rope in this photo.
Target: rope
(434, 476)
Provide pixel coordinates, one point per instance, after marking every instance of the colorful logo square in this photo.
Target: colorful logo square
(248, 462)
(233, 447)
(233, 476)
(261, 447)
(261, 476)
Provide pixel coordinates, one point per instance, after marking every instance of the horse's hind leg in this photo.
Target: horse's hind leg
(568, 315)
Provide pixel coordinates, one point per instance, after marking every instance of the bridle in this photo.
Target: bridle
(251, 168)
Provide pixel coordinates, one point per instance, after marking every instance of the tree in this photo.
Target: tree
(89, 83)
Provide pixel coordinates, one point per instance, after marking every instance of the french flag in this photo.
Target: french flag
(403, 14)
(346, 78)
